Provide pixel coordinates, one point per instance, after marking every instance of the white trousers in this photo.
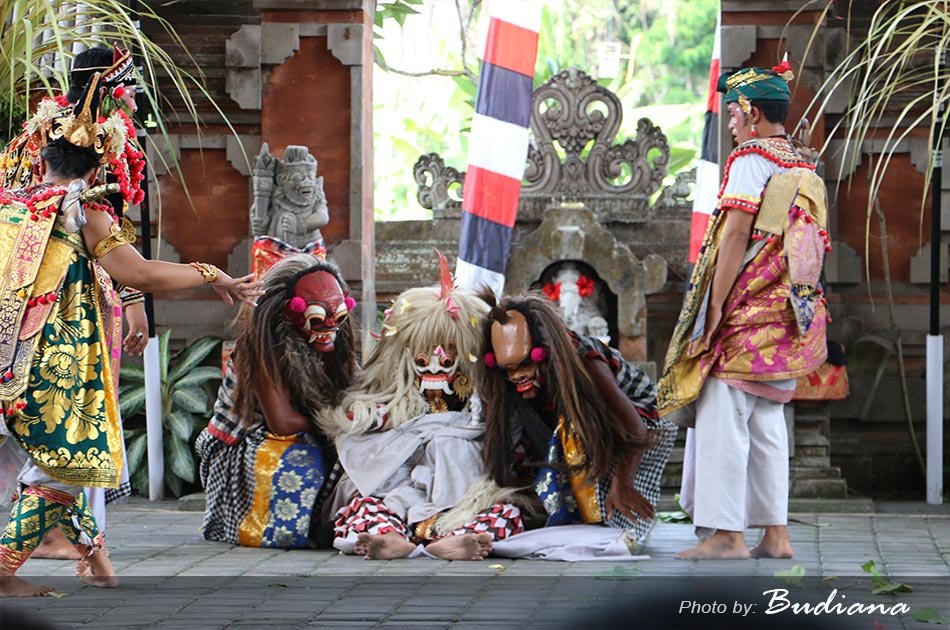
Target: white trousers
(735, 468)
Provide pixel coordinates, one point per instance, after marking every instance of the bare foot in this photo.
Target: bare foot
(775, 544)
(389, 546)
(463, 547)
(12, 586)
(722, 545)
(56, 547)
(97, 570)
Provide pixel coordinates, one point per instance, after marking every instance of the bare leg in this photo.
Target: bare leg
(56, 547)
(722, 545)
(774, 544)
(97, 570)
(462, 547)
(391, 546)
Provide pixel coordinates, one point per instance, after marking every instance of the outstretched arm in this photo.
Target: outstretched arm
(126, 266)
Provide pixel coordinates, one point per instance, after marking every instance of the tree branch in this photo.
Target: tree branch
(465, 72)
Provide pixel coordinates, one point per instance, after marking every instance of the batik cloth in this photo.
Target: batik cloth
(57, 386)
(262, 489)
(370, 515)
(570, 496)
(774, 318)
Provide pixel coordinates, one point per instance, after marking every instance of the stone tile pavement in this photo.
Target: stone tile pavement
(172, 578)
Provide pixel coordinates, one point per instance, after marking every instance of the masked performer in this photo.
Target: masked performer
(57, 388)
(264, 463)
(411, 444)
(568, 415)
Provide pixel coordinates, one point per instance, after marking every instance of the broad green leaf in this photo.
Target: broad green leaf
(191, 357)
(135, 450)
(180, 460)
(180, 423)
(132, 374)
(792, 576)
(163, 355)
(140, 481)
(192, 400)
(199, 376)
(930, 615)
(132, 402)
(173, 482)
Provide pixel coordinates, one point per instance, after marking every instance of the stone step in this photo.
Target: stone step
(676, 455)
(819, 488)
(800, 472)
(809, 438)
(800, 461)
(810, 451)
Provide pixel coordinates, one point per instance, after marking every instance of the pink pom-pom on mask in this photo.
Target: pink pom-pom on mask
(298, 304)
(538, 354)
(490, 360)
(350, 303)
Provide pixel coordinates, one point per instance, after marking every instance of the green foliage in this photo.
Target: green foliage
(186, 408)
(930, 615)
(793, 576)
(661, 73)
(881, 585)
(676, 516)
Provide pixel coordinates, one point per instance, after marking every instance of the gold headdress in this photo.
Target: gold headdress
(78, 125)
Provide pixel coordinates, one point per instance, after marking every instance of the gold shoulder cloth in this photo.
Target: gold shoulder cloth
(122, 234)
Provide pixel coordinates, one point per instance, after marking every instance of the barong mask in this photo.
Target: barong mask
(437, 371)
(512, 351)
(317, 308)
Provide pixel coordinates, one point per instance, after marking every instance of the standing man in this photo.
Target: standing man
(753, 321)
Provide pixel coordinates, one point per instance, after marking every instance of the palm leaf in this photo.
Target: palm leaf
(191, 356)
(895, 85)
(163, 355)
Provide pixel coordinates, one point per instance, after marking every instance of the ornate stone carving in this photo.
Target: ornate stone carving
(440, 186)
(571, 158)
(289, 202)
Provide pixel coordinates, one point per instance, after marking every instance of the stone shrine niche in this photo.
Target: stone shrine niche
(570, 242)
(587, 304)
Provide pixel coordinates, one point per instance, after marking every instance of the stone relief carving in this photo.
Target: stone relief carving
(571, 158)
(289, 202)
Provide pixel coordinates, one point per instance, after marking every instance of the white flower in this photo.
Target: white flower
(283, 537)
(303, 525)
(286, 510)
(308, 496)
(290, 482)
(300, 458)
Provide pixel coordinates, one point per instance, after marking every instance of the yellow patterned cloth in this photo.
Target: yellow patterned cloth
(58, 388)
(774, 319)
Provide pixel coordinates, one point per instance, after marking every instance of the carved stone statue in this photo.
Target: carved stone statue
(289, 202)
(577, 296)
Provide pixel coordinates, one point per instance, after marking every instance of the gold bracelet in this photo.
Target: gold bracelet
(122, 234)
(208, 272)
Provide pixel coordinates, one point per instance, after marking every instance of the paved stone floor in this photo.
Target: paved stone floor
(171, 578)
